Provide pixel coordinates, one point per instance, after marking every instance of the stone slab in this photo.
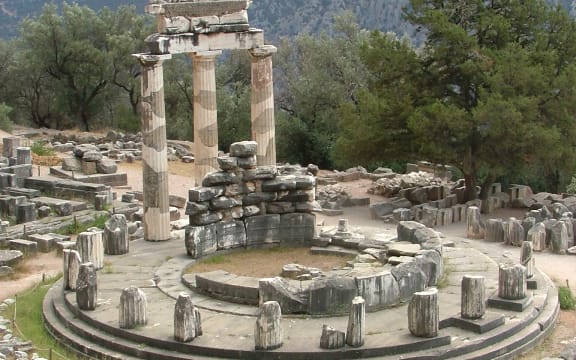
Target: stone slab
(532, 284)
(511, 305)
(28, 248)
(488, 322)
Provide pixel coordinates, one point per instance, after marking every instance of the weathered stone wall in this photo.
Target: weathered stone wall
(244, 205)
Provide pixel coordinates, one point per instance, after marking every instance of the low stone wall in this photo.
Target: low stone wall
(244, 205)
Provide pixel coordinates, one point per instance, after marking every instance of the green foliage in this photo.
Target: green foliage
(77, 228)
(566, 298)
(39, 148)
(28, 314)
(5, 122)
(571, 188)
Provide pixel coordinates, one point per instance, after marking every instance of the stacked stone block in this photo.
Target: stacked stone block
(244, 205)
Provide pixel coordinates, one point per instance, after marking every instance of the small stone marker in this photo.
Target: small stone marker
(116, 239)
(474, 227)
(187, 321)
(472, 297)
(87, 287)
(423, 313)
(356, 330)
(71, 261)
(512, 281)
(133, 308)
(91, 248)
(268, 334)
(332, 338)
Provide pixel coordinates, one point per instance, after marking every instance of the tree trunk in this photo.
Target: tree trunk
(486, 186)
(470, 183)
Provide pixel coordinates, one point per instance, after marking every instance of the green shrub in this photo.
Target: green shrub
(566, 298)
(571, 188)
(41, 149)
(5, 123)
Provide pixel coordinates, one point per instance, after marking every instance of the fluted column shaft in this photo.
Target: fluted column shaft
(154, 150)
(262, 104)
(205, 114)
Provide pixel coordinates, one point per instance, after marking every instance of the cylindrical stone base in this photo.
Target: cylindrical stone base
(423, 313)
(494, 230)
(474, 227)
(473, 305)
(356, 330)
(87, 287)
(71, 262)
(512, 282)
(268, 334)
(187, 322)
(133, 308)
(116, 239)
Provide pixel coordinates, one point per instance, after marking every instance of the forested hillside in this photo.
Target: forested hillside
(278, 18)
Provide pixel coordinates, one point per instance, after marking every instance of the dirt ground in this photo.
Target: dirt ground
(559, 268)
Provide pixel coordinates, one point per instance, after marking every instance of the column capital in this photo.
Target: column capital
(210, 54)
(263, 51)
(151, 58)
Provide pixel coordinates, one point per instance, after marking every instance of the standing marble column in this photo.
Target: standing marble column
(154, 150)
(263, 123)
(205, 114)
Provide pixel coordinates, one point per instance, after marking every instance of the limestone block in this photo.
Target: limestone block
(223, 202)
(537, 235)
(494, 230)
(332, 338)
(406, 230)
(173, 24)
(243, 149)
(200, 194)
(230, 235)
(528, 223)
(28, 248)
(473, 303)
(331, 295)
(227, 162)
(91, 248)
(195, 208)
(297, 228)
(432, 265)
(87, 287)
(474, 226)
(423, 312)
(256, 198)
(260, 173)
(240, 17)
(206, 218)
(512, 281)
(281, 183)
(10, 144)
(219, 178)
(92, 156)
(402, 214)
(187, 320)
(411, 278)
(25, 212)
(285, 292)
(305, 182)
(247, 162)
(262, 229)
(116, 239)
(71, 164)
(569, 222)
(426, 235)
(378, 290)
(201, 240)
(559, 238)
(81, 149)
(133, 308)
(527, 258)
(356, 330)
(23, 156)
(106, 166)
(71, 267)
(268, 334)
(558, 210)
(88, 167)
(13, 202)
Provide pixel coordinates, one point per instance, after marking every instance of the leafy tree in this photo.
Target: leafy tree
(496, 99)
(316, 75)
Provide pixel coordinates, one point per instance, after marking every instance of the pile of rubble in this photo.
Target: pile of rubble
(391, 186)
(10, 346)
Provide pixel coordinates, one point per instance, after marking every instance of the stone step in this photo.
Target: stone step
(69, 329)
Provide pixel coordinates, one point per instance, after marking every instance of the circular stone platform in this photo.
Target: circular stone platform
(228, 328)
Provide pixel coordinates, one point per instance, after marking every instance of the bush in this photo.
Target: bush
(566, 298)
(571, 188)
(41, 149)
(5, 122)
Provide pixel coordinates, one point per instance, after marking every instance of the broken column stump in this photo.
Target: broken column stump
(87, 287)
(537, 236)
(494, 230)
(268, 334)
(133, 308)
(472, 304)
(332, 338)
(356, 330)
(71, 261)
(187, 321)
(116, 239)
(474, 226)
(90, 247)
(512, 288)
(423, 313)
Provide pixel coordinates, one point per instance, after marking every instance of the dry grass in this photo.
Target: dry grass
(266, 262)
(560, 337)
